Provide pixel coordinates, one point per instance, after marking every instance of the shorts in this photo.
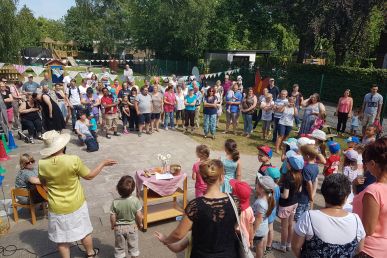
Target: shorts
(111, 121)
(144, 118)
(301, 208)
(285, 212)
(284, 130)
(354, 128)
(257, 239)
(232, 117)
(155, 116)
(266, 125)
(126, 235)
(368, 119)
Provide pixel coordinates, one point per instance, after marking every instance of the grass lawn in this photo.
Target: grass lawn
(245, 145)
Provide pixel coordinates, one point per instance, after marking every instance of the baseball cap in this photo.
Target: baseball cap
(353, 139)
(334, 147)
(273, 172)
(266, 149)
(267, 182)
(292, 142)
(271, 79)
(319, 135)
(351, 155)
(29, 75)
(305, 141)
(295, 160)
(242, 190)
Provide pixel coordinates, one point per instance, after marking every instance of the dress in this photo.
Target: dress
(308, 118)
(57, 122)
(230, 168)
(61, 104)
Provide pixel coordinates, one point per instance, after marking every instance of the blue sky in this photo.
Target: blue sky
(52, 9)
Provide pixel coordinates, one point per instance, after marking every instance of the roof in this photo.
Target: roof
(259, 52)
(54, 62)
(47, 40)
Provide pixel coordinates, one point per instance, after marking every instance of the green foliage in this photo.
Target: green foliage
(28, 29)
(54, 29)
(9, 41)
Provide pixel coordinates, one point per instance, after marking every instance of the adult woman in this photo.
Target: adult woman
(30, 119)
(210, 113)
(93, 81)
(8, 99)
(313, 109)
(169, 107)
(331, 231)
(190, 102)
(133, 119)
(27, 178)
(296, 94)
(61, 99)
(249, 104)
(51, 114)
(285, 123)
(179, 106)
(157, 107)
(211, 218)
(18, 97)
(68, 218)
(258, 114)
(343, 111)
(101, 108)
(219, 94)
(371, 204)
(91, 103)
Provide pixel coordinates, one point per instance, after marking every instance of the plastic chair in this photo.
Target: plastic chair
(26, 193)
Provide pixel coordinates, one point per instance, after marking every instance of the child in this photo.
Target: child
(360, 149)
(352, 142)
(242, 190)
(264, 156)
(203, 153)
(290, 187)
(290, 145)
(318, 122)
(267, 107)
(370, 135)
(93, 125)
(275, 174)
(350, 164)
(231, 98)
(333, 162)
(232, 165)
(125, 113)
(355, 122)
(262, 207)
(125, 213)
(320, 137)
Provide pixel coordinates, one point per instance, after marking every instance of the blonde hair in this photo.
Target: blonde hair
(308, 151)
(211, 170)
(202, 151)
(25, 159)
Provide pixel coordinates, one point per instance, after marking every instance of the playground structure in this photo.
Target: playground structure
(61, 50)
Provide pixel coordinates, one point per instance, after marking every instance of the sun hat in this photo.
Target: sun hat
(242, 190)
(266, 149)
(53, 142)
(334, 147)
(353, 139)
(267, 182)
(273, 172)
(319, 135)
(305, 141)
(351, 155)
(292, 143)
(295, 160)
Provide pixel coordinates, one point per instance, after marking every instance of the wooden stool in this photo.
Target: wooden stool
(26, 193)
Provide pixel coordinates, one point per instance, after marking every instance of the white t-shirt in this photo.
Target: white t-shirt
(66, 80)
(267, 115)
(82, 127)
(279, 103)
(82, 89)
(75, 98)
(180, 101)
(350, 173)
(128, 73)
(287, 117)
(333, 230)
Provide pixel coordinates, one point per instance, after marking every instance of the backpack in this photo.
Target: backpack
(91, 144)
(79, 92)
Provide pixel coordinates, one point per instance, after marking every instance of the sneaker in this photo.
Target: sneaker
(279, 247)
(213, 137)
(204, 136)
(225, 132)
(166, 128)
(173, 128)
(288, 247)
(125, 132)
(139, 134)
(32, 140)
(108, 136)
(117, 134)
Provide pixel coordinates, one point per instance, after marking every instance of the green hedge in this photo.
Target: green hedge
(331, 81)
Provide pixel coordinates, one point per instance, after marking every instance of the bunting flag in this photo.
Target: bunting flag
(37, 69)
(112, 76)
(1, 65)
(83, 75)
(73, 74)
(98, 61)
(57, 72)
(20, 68)
(220, 73)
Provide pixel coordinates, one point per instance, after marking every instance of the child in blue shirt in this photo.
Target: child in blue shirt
(93, 125)
(275, 174)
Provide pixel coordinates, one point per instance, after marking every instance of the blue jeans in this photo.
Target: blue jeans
(74, 113)
(169, 119)
(209, 124)
(247, 123)
(276, 129)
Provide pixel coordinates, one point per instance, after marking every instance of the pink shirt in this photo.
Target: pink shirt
(344, 104)
(171, 98)
(375, 245)
(199, 184)
(247, 217)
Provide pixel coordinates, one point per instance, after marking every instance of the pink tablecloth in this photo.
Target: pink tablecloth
(161, 187)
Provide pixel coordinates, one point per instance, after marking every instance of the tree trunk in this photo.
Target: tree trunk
(305, 46)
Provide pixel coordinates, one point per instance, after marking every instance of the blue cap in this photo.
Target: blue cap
(292, 143)
(295, 160)
(353, 139)
(334, 147)
(273, 172)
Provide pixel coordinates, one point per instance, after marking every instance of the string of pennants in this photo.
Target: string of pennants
(81, 60)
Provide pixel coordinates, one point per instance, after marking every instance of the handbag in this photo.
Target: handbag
(91, 144)
(244, 251)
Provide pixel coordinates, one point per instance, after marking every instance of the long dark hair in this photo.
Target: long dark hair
(377, 151)
(231, 147)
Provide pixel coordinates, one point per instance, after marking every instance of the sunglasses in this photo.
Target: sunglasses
(30, 162)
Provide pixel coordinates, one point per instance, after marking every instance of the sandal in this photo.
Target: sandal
(95, 250)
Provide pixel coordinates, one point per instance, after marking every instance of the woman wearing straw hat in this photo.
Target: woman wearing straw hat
(68, 218)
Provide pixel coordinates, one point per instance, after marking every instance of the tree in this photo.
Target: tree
(9, 40)
(54, 29)
(28, 29)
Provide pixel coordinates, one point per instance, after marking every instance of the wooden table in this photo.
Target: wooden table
(157, 207)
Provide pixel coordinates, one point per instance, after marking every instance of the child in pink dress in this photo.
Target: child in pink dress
(203, 153)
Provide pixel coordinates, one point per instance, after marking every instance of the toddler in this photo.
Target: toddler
(355, 122)
(125, 213)
(92, 125)
(333, 162)
(350, 165)
(318, 122)
(230, 96)
(267, 107)
(370, 135)
(203, 153)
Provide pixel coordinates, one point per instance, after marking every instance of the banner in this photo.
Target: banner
(112, 76)
(57, 72)
(20, 68)
(37, 69)
(73, 74)
(83, 75)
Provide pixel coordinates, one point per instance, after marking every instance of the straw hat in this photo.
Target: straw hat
(53, 142)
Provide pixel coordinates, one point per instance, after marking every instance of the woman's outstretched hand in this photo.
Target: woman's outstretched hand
(160, 236)
(109, 162)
